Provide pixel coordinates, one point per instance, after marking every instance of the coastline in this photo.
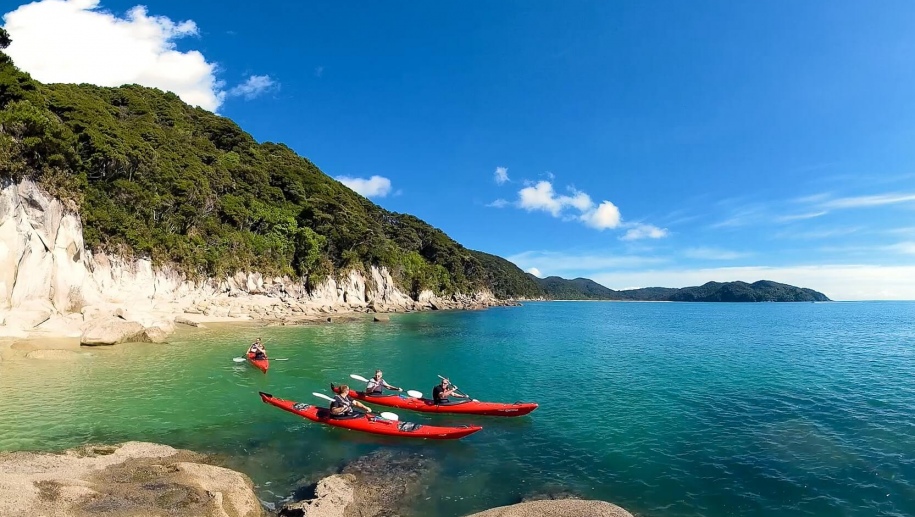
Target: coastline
(189, 323)
(52, 286)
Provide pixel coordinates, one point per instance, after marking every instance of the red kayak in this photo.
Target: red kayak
(370, 424)
(457, 406)
(260, 364)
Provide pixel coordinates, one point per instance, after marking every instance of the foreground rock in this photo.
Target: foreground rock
(133, 478)
(383, 483)
(557, 508)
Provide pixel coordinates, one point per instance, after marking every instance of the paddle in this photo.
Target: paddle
(239, 359)
(387, 415)
(412, 393)
(459, 390)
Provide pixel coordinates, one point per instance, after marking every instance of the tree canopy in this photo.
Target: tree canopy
(153, 176)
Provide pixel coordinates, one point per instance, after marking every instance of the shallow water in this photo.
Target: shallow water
(667, 409)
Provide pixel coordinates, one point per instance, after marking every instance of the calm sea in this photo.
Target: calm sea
(667, 409)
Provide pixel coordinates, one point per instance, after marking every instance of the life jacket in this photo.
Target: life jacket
(340, 401)
(374, 386)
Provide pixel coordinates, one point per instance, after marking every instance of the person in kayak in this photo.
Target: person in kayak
(342, 405)
(257, 348)
(441, 392)
(376, 385)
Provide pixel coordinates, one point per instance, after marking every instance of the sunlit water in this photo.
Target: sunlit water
(667, 409)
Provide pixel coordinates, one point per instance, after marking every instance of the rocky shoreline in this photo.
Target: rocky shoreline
(136, 478)
(52, 286)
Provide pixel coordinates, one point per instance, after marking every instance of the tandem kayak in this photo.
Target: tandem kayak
(260, 364)
(370, 424)
(457, 406)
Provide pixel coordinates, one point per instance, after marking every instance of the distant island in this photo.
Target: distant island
(762, 291)
(508, 280)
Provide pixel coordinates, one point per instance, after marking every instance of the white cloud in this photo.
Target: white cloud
(644, 231)
(501, 175)
(907, 248)
(536, 272)
(745, 216)
(813, 198)
(868, 201)
(839, 282)
(253, 87)
(499, 203)
(376, 186)
(542, 197)
(800, 217)
(821, 233)
(903, 230)
(605, 216)
(703, 253)
(75, 41)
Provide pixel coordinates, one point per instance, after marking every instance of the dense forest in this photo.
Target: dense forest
(152, 176)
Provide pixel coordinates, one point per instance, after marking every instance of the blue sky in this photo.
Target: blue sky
(636, 143)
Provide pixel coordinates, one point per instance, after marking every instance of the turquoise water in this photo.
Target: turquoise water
(666, 409)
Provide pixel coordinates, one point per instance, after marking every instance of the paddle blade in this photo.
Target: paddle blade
(358, 377)
(415, 394)
(387, 415)
(238, 359)
(322, 396)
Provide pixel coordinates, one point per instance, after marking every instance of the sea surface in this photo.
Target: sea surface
(667, 409)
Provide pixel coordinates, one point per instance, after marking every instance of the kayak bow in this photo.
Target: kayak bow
(370, 424)
(260, 364)
(457, 406)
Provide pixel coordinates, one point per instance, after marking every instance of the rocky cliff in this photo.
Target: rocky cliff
(50, 283)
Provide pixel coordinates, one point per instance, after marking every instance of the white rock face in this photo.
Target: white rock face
(47, 273)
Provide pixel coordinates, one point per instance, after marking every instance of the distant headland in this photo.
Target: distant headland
(557, 288)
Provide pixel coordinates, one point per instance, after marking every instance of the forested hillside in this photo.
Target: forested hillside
(153, 176)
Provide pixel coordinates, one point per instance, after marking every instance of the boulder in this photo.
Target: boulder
(128, 479)
(111, 331)
(91, 312)
(154, 335)
(381, 318)
(332, 495)
(62, 326)
(380, 484)
(27, 319)
(557, 508)
(183, 320)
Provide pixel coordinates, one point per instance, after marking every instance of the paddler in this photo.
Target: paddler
(377, 384)
(441, 392)
(257, 348)
(342, 405)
